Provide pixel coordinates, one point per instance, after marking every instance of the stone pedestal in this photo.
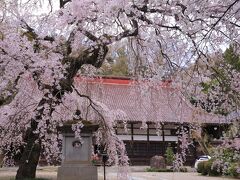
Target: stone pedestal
(76, 163)
(77, 172)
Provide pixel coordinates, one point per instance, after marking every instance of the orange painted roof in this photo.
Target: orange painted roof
(118, 81)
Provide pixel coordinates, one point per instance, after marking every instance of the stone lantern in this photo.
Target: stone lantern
(76, 163)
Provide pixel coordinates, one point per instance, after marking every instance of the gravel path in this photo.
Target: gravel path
(137, 173)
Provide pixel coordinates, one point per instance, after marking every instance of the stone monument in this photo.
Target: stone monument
(76, 163)
(158, 162)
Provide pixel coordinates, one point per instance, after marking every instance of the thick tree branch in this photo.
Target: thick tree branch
(63, 2)
(221, 17)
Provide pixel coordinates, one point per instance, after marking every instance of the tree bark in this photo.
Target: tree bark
(30, 156)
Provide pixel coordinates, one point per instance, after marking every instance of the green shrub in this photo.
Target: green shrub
(214, 169)
(206, 167)
(169, 154)
(232, 170)
(200, 167)
(203, 168)
(228, 155)
(158, 170)
(183, 169)
(214, 172)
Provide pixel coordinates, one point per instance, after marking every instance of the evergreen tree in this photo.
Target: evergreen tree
(116, 65)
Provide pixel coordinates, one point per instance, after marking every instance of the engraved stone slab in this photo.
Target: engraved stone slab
(74, 150)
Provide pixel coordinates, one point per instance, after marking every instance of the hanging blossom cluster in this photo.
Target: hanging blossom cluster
(77, 130)
(106, 136)
(184, 143)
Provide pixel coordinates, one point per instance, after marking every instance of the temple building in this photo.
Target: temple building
(149, 115)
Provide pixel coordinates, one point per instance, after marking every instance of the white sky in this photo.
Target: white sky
(44, 5)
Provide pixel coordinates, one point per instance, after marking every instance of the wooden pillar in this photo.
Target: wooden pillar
(132, 132)
(163, 138)
(132, 143)
(148, 145)
(148, 132)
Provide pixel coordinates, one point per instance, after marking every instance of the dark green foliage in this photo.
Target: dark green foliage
(117, 66)
(213, 170)
(228, 155)
(200, 167)
(207, 168)
(219, 82)
(232, 170)
(120, 68)
(169, 154)
(183, 169)
(210, 85)
(158, 170)
(232, 58)
(204, 167)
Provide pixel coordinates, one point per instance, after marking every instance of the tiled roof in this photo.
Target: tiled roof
(141, 101)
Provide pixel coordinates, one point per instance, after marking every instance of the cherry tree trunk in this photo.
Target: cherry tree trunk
(30, 156)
